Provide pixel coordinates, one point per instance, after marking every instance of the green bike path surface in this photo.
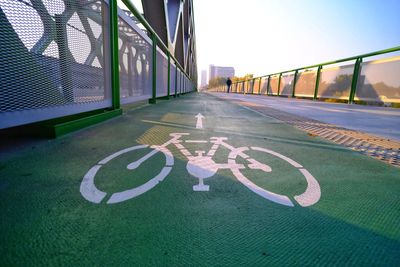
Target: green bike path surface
(45, 220)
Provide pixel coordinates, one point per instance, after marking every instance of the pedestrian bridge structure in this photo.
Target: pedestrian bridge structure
(293, 168)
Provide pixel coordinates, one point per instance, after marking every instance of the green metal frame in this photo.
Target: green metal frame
(356, 73)
(279, 83)
(317, 82)
(354, 81)
(169, 75)
(294, 83)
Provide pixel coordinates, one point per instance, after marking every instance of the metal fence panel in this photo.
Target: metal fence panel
(53, 61)
(305, 84)
(162, 73)
(135, 53)
(379, 81)
(335, 82)
(273, 85)
(286, 87)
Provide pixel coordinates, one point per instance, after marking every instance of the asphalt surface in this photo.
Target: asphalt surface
(276, 195)
(380, 121)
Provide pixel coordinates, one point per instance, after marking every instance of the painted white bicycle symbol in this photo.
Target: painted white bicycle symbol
(201, 166)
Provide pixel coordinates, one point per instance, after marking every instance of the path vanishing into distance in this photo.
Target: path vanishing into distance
(200, 180)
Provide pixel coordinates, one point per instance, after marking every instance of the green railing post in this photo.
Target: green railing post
(169, 74)
(279, 83)
(317, 82)
(114, 54)
(268, 85)
(354, 81)
(252, 86)
(154, 68)
(259, 86)
(294, 83)
(176, 80)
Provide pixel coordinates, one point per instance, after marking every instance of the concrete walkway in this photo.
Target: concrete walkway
(380, 121)
(196, 181)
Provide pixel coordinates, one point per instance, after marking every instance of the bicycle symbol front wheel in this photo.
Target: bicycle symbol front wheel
(309, 197)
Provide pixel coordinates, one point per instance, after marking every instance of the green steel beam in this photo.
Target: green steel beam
(154, 69)
(169, 74)
(114, 54)
(317, 82)
(268, 85)
(259, 86)
(176, 81)
(354, 81)
(279, 84)
(143, 21)
(294, 83)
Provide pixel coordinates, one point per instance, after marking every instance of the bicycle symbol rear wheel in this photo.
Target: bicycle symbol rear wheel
(91, 193)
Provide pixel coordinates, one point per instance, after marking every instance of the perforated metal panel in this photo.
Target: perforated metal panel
(335, 82)
(287, 84)
(379, 81)
(135, 60)
(52, 59)
(162, 73)
(172, 79)
(273, 85)
(264, 86)
(305, 85)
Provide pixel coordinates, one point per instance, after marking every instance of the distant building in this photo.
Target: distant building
(203, 79)
(217, 71)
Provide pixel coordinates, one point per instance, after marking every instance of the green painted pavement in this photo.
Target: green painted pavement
(47, 221)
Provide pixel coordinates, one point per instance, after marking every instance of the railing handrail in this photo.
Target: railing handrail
(376, 53)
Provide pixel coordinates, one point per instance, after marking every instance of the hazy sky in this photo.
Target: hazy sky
(266, 36)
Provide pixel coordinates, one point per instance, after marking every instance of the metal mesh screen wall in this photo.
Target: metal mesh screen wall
(162, 73)
(264, 86)
(287, 85)
(336, 82)
(135, 60)
(379, 81)
(172, 79)
(305, 85)
(256, 86)
(52, 59)
(273, 85)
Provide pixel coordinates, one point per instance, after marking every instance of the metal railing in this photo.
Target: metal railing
(78, 58)
(374, 82)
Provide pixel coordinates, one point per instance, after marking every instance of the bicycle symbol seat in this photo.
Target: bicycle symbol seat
(201, 166)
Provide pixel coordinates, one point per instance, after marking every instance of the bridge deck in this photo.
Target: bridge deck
(276, 195)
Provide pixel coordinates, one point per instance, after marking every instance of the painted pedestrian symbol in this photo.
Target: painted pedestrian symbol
(202, 166)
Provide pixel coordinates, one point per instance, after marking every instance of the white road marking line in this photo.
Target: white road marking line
(196, 141)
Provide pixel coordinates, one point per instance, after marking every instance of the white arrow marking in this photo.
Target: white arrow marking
(199, 124)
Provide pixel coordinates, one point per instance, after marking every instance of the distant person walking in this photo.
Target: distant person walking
(228, 83)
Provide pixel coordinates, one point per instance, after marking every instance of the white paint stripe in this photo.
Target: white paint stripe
(137, 163)
(290, 161)
(179, 146)
(196, 141)
(211, 152)
(312, 193)
(236, 151)
(134, 192)
(116, 154)
(88, 188)
(169, 124)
